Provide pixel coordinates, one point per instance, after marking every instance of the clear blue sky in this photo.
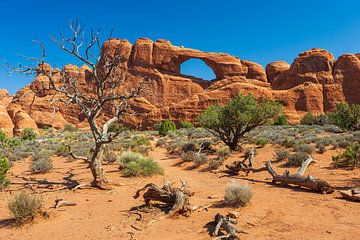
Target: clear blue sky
(261, 31)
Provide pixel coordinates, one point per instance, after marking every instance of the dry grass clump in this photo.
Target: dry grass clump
(237, 195)
(24, 207)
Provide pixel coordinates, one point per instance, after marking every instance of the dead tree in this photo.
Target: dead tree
(176, 200)
(107, 85)
(297, 179)
(226, 223)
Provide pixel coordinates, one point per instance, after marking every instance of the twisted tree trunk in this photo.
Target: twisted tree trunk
(96, 167)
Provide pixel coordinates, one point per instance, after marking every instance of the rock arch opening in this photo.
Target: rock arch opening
(197, 68)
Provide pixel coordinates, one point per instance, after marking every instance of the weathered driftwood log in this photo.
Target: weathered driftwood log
(351, 194)
(176, 199)
(297, 179)
(62, 203)
(226, 223)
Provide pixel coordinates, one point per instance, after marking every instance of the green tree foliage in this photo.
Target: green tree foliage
(2, 136)
(308, 119)
(237, 117)
(346, 116)
(166, 126)
(349, 158)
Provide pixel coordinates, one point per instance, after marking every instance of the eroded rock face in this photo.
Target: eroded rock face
(6, 123)
(313, 82)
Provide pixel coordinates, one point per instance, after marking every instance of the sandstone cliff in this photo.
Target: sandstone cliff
(314, 82)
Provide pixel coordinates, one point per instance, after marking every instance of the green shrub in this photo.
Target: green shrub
(223, 152)
(142, 167)
(308, 119)
(296, 159)
(70, 128)
(239, 116)
(281, 120)
(237, 195)
(188, 156)
(215, 163)
(2, 136)
(190, 146)
(306, 148)
(288, 143)
(24, 207)
(41, 165)
(128, 156)
(261, 142)
(4, 168)
(185, 124)
(28, 134)
(281, 155)
(346, 116)
(321, 148)
(166, 126)
(349, 158)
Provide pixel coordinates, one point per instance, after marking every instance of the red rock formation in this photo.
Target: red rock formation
(6, 123)
(313, 82)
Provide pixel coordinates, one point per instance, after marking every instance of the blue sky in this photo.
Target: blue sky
(261, 31)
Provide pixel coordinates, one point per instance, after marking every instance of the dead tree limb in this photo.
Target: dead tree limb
(226, 223)
(297, 179)
(176, 200)
(351, 194)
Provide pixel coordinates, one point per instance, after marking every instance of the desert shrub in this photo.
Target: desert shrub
(288, 142)
(166, 126)
(28, 134)
(190, 146)
(332, 129)
(199, 159)
(13, 141)
(281, 155)
(239, 116)
(261, 142)
(237, 195)
(215, 163)
(70, 128)
(223, 152)
(63, 150)
(296, 159)
(24, 207)
(321, 120)
(2, 136)
(321, 148)
(126, 157)
(308, 119)
(4, 168)
(281, 120)
(41, 162)
(346, 116)
(185, 124)
(349, 158)
(305, 148)
(187, 156)
(156, 126)
(142, 167)
(343, 143)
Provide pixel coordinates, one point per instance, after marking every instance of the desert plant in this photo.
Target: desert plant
(142, 167)
(2, 136)
(237, 195)
(239, 116)
(261, 142)
(223, 152)
(296, 159)
(346, 116)
(308, 119)
(28, 134)
(4, 168)
(166, 126)
(215, 163)
(190, 146)
(126, 157)
(281, 155)
(185, 124)
(24, 207)
(321, 148)
(349, 158)
(281, 120)
(306, 148)
(199, 159)
(41, 165)
(70, 128)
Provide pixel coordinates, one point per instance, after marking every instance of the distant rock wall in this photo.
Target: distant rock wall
(314, 82)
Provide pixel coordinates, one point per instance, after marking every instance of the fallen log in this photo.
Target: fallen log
(297, 179)
(351, 194)
(62, 203)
